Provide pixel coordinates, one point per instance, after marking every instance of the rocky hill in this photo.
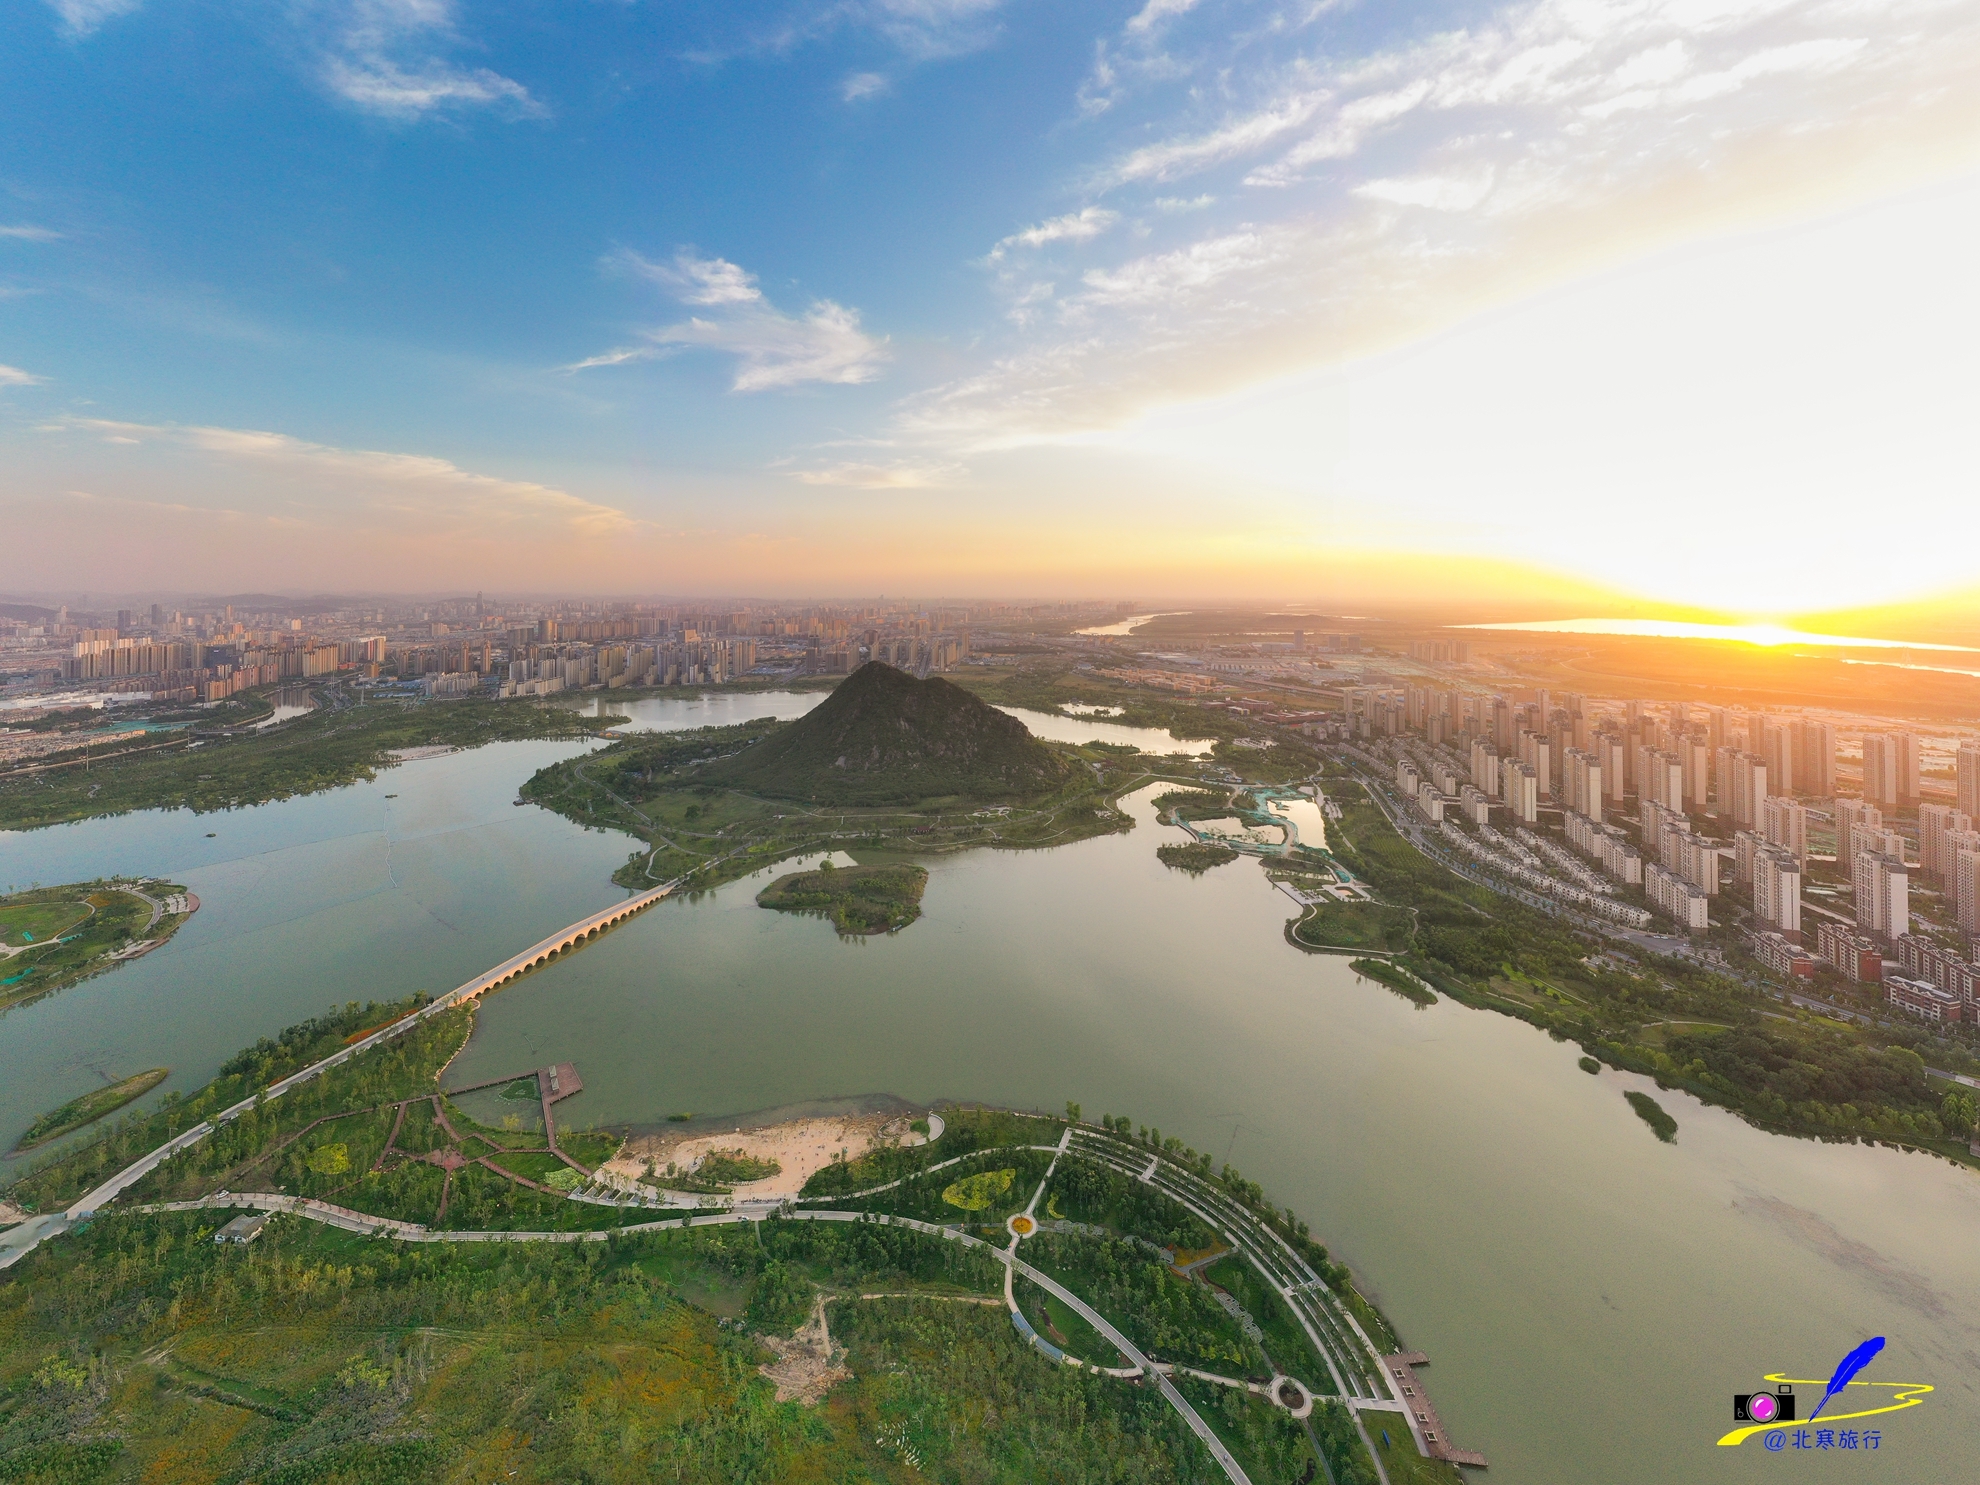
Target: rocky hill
(884, 737)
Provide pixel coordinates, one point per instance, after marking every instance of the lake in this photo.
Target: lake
(1589, 1298)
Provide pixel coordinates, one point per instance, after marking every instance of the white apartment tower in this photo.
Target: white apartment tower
(1777, 889)
(1883, 901)
(1784, 823)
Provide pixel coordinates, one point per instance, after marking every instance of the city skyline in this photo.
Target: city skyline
(1523, 304)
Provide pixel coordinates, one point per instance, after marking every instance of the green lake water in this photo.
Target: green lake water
(1589, 1298)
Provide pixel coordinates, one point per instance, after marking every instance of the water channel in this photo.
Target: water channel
(1589, 1298)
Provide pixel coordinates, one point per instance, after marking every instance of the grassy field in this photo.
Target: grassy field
(1399, 1457)
(64, 935)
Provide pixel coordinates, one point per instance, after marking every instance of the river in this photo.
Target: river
(1589, 1298)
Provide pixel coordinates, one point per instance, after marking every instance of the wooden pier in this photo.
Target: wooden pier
(1401, 1368)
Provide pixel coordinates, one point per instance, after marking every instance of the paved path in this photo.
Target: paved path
(18, 1242)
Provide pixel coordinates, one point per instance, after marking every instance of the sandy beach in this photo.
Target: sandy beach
(800, 1147)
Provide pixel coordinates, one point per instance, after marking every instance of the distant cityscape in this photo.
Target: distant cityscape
(1818, 838)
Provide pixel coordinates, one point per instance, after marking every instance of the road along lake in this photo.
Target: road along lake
(1589, 1298)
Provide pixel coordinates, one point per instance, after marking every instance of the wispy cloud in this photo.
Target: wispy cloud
(773, 349)
(409, 486)
(1361, 199)
(930, 28)
(82, 17)
(13, 376)
(898, 475)
(1079, 226)
(862, 85)
(387, 57)
(26, 233)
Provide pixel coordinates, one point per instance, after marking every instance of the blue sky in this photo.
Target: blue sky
(960, 294)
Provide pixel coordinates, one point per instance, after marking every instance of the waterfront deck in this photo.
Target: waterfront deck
(1401, 1368)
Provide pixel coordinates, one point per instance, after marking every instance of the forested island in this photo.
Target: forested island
(857, 899)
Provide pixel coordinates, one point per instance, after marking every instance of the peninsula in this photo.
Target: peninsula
(55, 937)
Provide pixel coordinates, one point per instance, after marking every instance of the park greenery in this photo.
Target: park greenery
(92, 1106)
(1333, 924)
(135, 1348)
(206, 770)
(880, 898)
(1195, 857)
(55, 937)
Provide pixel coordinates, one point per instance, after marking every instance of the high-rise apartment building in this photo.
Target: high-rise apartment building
(1882, 888)
(1852, 815)
(1814, 758)
(1519, 786)
(1742, 786)
(1777, 890)
(1938, 824)
(1966, 886)
(1581, 778)
(1966, 780)
(1892, 763)
(1784, 823)
(1776, 750)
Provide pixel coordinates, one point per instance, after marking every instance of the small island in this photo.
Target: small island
(54, 937)
(92, 1106)
(1196, 857)
(858, 899)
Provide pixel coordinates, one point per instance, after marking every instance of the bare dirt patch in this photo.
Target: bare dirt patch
(806, 1367)
(800, 1147)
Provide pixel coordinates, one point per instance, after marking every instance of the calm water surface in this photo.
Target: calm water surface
(1589, 1298)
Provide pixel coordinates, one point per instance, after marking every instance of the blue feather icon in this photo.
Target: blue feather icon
(1847, 1368)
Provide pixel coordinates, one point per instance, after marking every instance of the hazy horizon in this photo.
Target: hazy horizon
(1537, 310)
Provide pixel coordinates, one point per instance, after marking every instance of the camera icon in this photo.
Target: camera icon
(1764, 1407)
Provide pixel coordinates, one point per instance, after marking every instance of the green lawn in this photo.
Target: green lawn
(1405, 1466)
(1355, 925)
(23, 923)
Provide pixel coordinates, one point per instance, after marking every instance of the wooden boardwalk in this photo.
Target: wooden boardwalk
(1401, 1368)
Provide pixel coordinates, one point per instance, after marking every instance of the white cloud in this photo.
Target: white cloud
(617, 357)
(1080, 226)
(1229, 140)
(13, 376)
(1164, 278)
(862, 85)
(26, 233)
(410, 487)
(931, 28)
(384, 57)
(82, 17)
(1437, 192)
(1416, 185)
(773, 349)
(1154, 13)
(900, 475)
